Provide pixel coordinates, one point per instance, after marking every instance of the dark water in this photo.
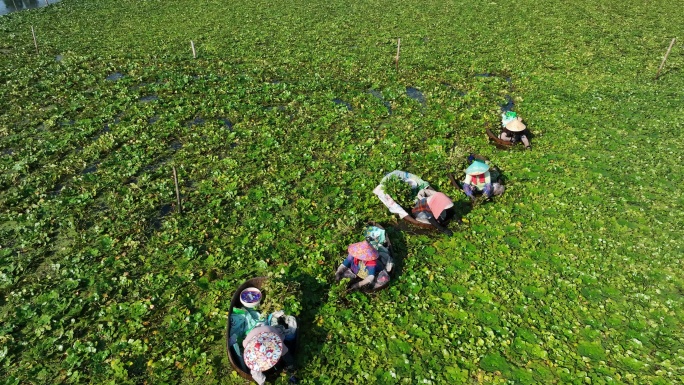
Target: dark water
(226, 123)
(148, 98)
(7, 6)
(343, 103)
(176, 145)
(449, 85)
(275, 108)
(415, 94)
(114, 77)
(90, 169)
(163, 211)
(195, 122)
(509, 105)
(378, 95)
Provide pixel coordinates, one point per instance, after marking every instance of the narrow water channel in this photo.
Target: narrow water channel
(8, 6)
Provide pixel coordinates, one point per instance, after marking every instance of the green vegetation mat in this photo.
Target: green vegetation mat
(280, 129)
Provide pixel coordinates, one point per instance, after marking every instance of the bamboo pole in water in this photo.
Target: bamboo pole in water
(35, 42)
(665, 58)
(175, 182)
(396, 58)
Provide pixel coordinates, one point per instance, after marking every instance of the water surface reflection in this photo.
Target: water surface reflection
(7, 6)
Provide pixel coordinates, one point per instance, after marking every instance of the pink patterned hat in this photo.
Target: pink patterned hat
(363, 251)
(263, 351)
(438, 203)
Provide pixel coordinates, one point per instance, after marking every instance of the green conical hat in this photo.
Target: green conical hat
(477, 167)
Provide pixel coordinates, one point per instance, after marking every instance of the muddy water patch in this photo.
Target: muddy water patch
(416, 95)
(154, 166)
(378, 95)
(198, 121)
(341, 102)
(508, 105)
(164, 211)
(9, 6)
(148, 98)
(114, 76)
(105, 129)
(453, 87)
(226, 123)
(90, 169)
(176, 145)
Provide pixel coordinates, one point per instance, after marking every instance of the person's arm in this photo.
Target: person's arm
(344, 272)
(363, 283)
(258, 377)
(412, 220)
(439, 227)
(425, 193)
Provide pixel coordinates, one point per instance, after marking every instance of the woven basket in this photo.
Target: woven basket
(389, 247)
(257, 282)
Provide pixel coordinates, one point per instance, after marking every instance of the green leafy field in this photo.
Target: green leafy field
(288, 118)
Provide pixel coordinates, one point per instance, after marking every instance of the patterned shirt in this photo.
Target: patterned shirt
(479, 180)
(362, 269)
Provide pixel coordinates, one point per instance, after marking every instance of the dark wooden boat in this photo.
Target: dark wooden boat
(499, 143)
(419, 224)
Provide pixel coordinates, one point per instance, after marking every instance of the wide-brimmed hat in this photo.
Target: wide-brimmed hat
(516, 125)
(263, 351)
(476, 168)
(363, 251)
(439, 202)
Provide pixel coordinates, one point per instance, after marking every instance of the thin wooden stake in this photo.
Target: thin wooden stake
(665, 58)
(15, 5)
(192, 45)
(35, 42)
(175, 182)
(396, 58)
